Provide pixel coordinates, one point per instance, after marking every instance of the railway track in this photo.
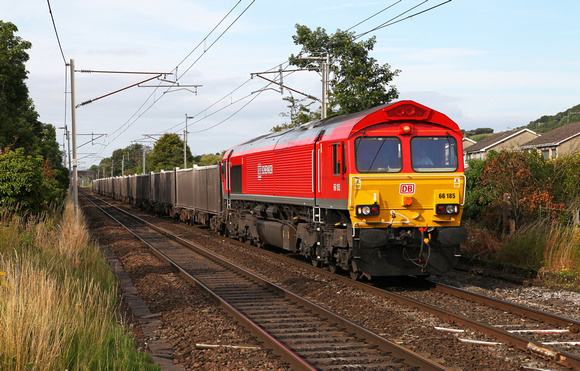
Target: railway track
(304, 334)
(534, 324)
(547, 350)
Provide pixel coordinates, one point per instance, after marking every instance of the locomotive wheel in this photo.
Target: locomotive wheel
(355, 276)
(332, 267)
(354, 272)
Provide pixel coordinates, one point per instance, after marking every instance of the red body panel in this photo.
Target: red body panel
(299, 163)
(294, 171)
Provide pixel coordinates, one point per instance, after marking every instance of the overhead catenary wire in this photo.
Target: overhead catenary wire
(55, 31)
(216, 40)
(206, 116)
(65, 82)
(206, 37)
(374, 15)
(144, 108)
(393, 20)
(139, 113)
(230, 116)
(390, 20)
(209, 107)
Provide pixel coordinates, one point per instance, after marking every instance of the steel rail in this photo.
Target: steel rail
(410, 358)
(554, 319)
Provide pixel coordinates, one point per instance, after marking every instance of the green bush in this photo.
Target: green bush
(27, 182)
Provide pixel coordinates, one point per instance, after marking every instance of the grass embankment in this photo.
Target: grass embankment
(58, 299)
(553, 250)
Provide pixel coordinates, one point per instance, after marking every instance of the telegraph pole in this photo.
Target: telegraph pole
(185, 142)
(74, 136)
(325, 71)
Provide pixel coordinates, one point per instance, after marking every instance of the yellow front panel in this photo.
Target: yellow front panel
(406, 200)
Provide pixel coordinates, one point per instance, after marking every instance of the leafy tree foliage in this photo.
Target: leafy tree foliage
(208, 159)
(27, 181)
(483, 131)
(547, 123)
(168, 153)
(300, 113)
(566, 172)
(21, 134)
(358, 82)
(130, 158)
(530, 181)
(19, 120)
(134, 158)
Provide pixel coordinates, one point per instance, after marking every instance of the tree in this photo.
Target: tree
(358, 82)
(209, 159)
(168, 153)
(21, 133)
(524, 176)
(299, 114)
(483, 131)
(565, 171)
(132, 156)
(20, 124)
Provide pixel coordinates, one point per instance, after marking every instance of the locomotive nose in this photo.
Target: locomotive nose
(381, 201)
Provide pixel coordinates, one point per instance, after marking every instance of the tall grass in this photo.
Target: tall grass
(541, 245)
(58, 299)
(563, 250)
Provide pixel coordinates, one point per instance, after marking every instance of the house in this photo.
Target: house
(466, 142)
(560, 141)
(506, 140)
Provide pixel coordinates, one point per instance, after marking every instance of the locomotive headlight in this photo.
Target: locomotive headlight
(368, 210)
(447, 209)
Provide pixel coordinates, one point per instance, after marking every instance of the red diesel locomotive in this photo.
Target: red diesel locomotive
(375, 193)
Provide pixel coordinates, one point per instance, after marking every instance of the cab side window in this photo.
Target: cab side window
(336, 159)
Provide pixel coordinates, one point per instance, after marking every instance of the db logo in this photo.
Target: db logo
(407, 188)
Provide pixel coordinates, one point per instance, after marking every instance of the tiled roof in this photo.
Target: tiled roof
(555, 137)
(495, 139)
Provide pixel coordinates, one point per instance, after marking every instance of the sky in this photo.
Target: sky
(494, 64)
